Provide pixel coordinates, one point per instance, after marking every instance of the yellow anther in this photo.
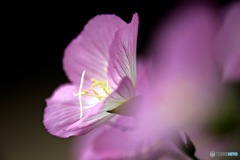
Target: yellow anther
(95, 89)
(105, 90)
(98, 89)
(93, 80)
(84, 91)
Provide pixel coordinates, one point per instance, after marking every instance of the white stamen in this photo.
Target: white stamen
(79, 95)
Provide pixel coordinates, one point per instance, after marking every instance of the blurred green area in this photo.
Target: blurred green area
(226, 125)
(228, 119)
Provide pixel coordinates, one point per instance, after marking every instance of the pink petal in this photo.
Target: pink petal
(90, 50)
(142, 81)
(184, 76)
(115, 143)
(184, 44)
(98, 114)
(228, 44)
(122, 99)
(232, 68)
(124, 92)
(62, 114)
(108, 142)
(122, 60)
(62, 110)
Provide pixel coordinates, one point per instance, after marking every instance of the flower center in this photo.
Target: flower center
(98, 89)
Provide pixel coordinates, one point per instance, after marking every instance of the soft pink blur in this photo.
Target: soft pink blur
(227, 43)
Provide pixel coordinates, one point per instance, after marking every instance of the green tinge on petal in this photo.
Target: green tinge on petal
(127, 108)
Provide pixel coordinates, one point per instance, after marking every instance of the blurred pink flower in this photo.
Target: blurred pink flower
(227, 44)
(186, 80)
(105, 143)
(116, 143)
(187, 51)
(101, 65)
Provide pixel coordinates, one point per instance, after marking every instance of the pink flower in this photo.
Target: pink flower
(227, 45)
(188, 84)
(101, 65)
(116, 142)
(105, 143)
(186, 80)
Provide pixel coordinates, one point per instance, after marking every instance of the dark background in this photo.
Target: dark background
(34, 36)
